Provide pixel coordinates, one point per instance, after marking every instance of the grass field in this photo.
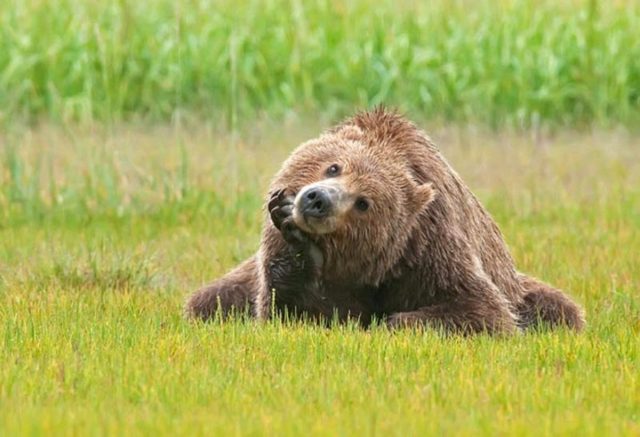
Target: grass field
(104, 230)
(137, 139)
(516, 62)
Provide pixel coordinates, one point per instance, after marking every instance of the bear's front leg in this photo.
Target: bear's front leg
(294, 274)
(234, 293)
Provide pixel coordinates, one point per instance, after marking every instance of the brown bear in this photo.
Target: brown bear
(369, 220)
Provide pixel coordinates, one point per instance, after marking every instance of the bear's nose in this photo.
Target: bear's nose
(316, 202)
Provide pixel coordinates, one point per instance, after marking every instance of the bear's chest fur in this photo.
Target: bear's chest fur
(299, 289)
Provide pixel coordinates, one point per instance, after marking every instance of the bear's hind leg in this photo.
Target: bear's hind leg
(478, 308)
(234, 293)
(544, 305)
(464, 317)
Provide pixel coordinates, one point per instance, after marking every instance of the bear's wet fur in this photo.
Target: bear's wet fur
(369, 220)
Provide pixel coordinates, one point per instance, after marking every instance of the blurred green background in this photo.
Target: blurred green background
(520, 63)
(137, 139)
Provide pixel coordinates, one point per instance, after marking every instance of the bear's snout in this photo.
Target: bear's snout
(316, 202)
(320, 208)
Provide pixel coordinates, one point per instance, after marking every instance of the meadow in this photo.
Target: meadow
(523, 63)
(137, 140)
(105, 231)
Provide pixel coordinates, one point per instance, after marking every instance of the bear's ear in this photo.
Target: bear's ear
(350, 132)
(424, 195)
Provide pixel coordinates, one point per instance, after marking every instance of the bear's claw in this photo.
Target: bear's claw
(281, 211)
(280, 207)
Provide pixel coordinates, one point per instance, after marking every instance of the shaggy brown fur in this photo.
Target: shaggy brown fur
(397, 235)
(234, 293)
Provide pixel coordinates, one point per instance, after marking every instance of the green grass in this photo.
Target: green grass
(106, 227)
(508, 62)
(103, 232)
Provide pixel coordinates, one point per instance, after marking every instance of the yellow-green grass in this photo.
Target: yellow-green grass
(515, 62)
(103, 232)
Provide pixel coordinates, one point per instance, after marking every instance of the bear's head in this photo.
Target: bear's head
(357, 198)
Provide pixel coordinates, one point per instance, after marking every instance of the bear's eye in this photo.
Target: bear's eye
(362, 204)
(333, 170)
